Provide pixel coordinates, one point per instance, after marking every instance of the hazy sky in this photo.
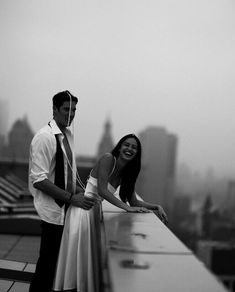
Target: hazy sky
(161, 63)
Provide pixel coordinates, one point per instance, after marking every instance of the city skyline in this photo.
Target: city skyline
(165, 64)
(179, 164)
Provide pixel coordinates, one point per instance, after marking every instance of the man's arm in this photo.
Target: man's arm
(47, 187)
(55, 192)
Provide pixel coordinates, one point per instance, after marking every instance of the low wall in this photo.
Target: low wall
(142, 254)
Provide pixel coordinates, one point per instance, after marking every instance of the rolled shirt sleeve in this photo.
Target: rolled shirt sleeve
(42, 159)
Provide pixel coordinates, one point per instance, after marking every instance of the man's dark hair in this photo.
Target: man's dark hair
(59, 98)
(130, 171)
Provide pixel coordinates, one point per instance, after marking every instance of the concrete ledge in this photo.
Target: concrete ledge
(144, 255)
(16, 271)
(24, 224)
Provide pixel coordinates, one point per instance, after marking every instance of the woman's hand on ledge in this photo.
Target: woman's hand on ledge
(137, 210)
(159, 211)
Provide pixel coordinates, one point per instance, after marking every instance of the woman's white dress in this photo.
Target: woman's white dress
(77, 263)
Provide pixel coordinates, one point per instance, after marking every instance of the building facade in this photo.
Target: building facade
(156, 182)
(19, 139)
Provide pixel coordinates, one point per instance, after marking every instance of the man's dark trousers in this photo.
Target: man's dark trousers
(49, 249)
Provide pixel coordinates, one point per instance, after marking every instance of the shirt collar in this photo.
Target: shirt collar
(56, 130)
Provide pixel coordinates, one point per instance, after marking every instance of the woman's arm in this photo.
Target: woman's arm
(104, 168)
(158, 210)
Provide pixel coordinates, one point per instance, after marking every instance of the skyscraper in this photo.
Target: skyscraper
(157, 177)
(229, 202)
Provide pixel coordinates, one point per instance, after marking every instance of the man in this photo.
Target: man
(52, 182)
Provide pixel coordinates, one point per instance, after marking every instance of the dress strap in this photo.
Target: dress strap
(113, 166)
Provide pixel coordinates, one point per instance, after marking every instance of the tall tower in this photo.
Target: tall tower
(106, 142)
(157, 178)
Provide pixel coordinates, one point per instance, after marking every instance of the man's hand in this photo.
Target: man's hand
(79, 200)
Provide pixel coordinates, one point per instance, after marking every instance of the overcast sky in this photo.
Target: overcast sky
(161, 63)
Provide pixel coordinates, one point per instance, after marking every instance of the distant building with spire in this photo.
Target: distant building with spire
(19, 139)
(85, 162)
(106, 142)
(3, 122)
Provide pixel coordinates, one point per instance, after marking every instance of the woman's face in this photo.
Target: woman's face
(128, 149)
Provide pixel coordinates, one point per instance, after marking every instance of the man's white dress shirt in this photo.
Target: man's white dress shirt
(42, 160)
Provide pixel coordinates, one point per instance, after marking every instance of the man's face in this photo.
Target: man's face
(65, 114)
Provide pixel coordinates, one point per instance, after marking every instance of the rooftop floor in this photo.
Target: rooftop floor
(17, 253)
(19, 248)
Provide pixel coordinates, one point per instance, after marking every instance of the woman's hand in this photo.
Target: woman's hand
(137, 210)
(159, 211)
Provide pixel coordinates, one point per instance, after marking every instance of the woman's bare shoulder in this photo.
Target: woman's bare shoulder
(105, 162)
(107, 159)
(108, 156)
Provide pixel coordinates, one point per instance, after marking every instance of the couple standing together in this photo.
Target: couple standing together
(66, 209)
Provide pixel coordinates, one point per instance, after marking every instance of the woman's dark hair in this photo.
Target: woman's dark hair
(130, 171)
(59, 98)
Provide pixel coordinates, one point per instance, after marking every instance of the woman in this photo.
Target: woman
(76, 270)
